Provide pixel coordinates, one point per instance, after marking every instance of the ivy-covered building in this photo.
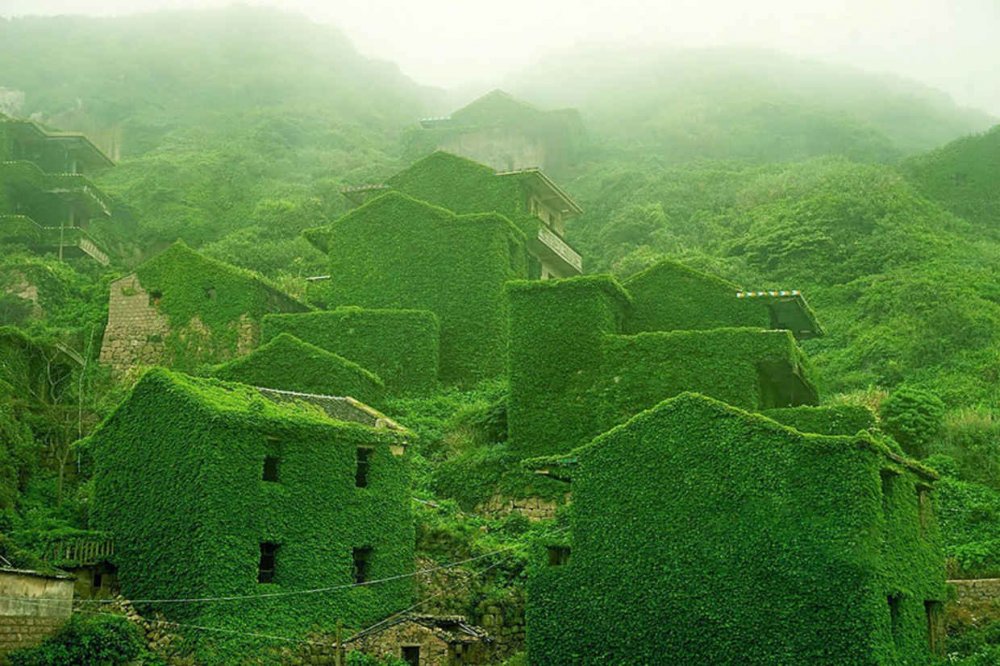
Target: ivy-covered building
(287, 363)
(183, 309)
(532, 201)
(399, 253)
(506, 133)
(705, 534)
(47, 203)
(214, 489)
(588, 353)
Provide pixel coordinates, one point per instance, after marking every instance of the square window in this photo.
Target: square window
(558, 556)
(411, 655)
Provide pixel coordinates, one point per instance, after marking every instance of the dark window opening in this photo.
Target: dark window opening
(362, 559)
(98, 579)
(268, 557)
(155, 297)
(411, 655)
(558, 555)
(364, 457)
(933, 611)
(271, 468)
(895, 607)
(886, 476)
(923, 507)
(210, 293)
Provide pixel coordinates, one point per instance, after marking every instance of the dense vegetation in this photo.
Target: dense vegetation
(236, 129)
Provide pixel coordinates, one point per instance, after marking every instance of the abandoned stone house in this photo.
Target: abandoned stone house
(425, 640)
(704, 534)
(506, 133)
(588, 353)
(46, 201)
(527, 197)
(182, 309)
(269, 493)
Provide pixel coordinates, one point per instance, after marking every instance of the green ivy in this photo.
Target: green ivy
(207, 303)
(704, 534)
(199, 446)
(400, 346)
(288, 364)
(397, 252)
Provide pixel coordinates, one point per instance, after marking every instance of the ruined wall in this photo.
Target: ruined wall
(389, 643)
(24, 619)
(136, 330)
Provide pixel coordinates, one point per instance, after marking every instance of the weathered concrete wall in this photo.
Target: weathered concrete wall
(32, 607)
(136, 330)
(504, 149)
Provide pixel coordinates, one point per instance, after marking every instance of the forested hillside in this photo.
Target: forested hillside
(235, 130)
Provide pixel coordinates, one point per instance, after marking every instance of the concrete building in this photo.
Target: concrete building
(46, 201)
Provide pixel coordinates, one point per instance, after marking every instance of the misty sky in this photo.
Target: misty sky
(953, 45)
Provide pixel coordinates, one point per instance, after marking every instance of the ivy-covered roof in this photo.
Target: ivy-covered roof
(289, 364)
(75, 141)
(669, 296)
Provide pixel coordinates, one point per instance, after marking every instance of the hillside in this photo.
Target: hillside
(750, 105)
(235, 130)
(965, 177)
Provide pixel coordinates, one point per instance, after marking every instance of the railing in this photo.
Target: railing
(25, 227)
(559, 247)
(81, 551)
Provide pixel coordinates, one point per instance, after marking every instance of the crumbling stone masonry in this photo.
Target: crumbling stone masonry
(136, 329)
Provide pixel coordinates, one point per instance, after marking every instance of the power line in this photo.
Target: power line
(269, 595)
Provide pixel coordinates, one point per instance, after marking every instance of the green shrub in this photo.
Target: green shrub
(913, 417)
(86, 640)
(972, 438)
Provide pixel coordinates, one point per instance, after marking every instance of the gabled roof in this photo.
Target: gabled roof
(217, 398)
(466, 186)
(394, 206)
(180, 255)
(288, 363)
(700, 408)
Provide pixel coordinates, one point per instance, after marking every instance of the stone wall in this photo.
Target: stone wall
(976, 591)
(32, 607)
(389, 643)
(136, 330)
(532, 508)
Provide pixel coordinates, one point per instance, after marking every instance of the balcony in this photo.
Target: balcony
(23, 229)
(555, 253)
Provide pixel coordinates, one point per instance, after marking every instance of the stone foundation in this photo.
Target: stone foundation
(32, 607)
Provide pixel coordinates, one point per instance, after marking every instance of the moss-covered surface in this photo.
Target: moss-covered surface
(289, 364)
(200, 445)
(572, 376)
(557, 330)
(826, 420)
(703, 534)
(397, 252)
(670, 296)
(211, 306)
(400, 346)
(466, 187)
